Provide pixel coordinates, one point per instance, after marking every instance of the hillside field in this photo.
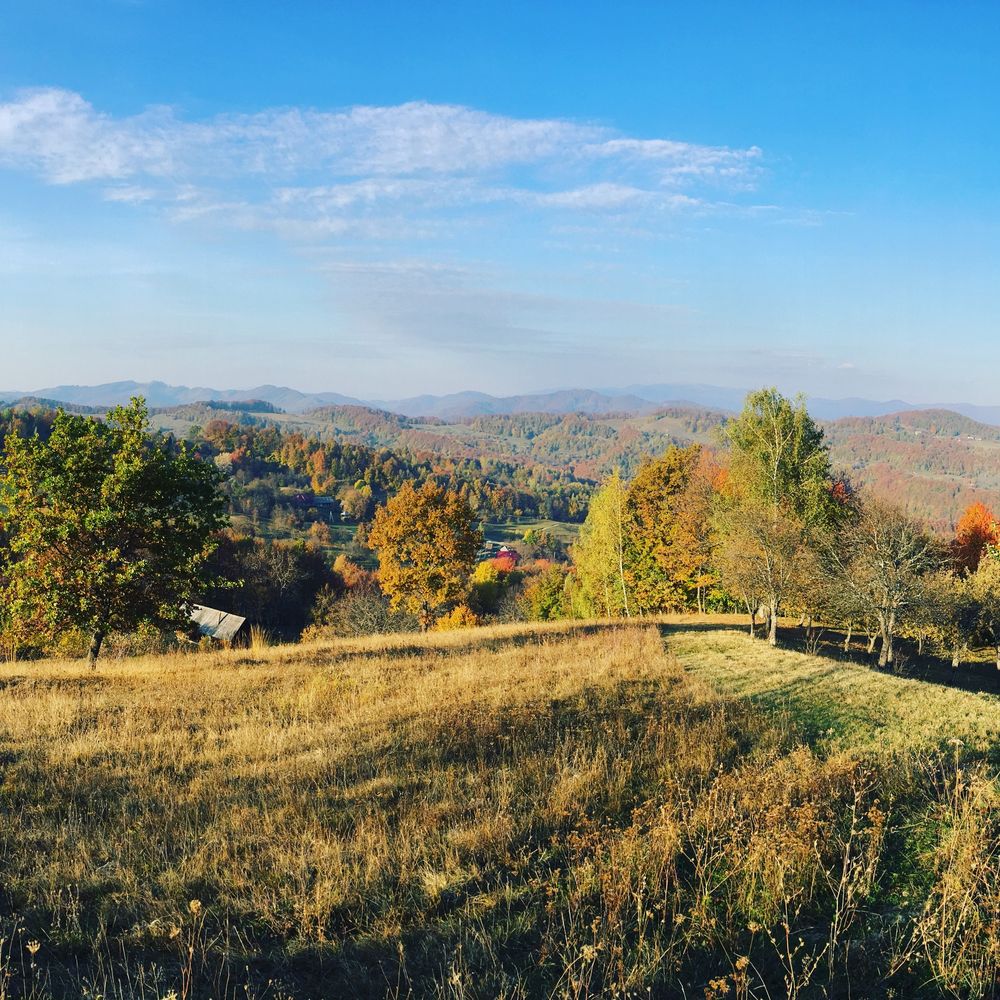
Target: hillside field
(567, 810)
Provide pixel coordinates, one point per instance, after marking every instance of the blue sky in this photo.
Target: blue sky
(386, 199)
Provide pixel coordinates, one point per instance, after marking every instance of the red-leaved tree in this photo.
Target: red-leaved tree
(977, 529)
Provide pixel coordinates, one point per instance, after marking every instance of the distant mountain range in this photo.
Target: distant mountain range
(159, 394)
(456, 406)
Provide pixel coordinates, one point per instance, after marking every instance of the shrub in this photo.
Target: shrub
(461, 617)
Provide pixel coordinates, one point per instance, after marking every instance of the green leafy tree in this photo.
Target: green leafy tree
(426, 542)
(950, 604)
(109, 528)
(544, 597)
(599, 552)
(780, 458)
(778, 500)
(984, 586)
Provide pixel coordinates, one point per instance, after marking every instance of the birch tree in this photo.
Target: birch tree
(600, 551)
(777, 500)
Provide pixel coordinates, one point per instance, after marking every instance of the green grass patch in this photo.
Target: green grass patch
(839, 704)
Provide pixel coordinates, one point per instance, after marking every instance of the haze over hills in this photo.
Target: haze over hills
(457, 406)
(159, 394)
(636, 399)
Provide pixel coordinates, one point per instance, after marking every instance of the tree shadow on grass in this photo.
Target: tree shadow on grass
(976, 676)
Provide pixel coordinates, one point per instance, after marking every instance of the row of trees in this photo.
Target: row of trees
(773, 530)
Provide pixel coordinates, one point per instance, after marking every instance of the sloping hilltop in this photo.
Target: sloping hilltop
(590, 810)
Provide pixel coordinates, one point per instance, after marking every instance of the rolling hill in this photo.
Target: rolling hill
(934, 462)
(634, 399)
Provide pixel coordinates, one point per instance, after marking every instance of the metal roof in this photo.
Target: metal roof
(216, 624)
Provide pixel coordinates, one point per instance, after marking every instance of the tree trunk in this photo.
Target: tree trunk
(872, 639)
(621, 556)
(96, 641)
(956, 657)
(998, 656)
(621, 576)
(772, 634)
(847, 638)
(884, 654)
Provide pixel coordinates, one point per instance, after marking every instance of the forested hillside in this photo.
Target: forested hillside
(932, 462)
(586, 446)
(355, 459)
(935, 463)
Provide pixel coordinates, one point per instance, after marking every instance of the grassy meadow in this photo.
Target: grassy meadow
(660, 809)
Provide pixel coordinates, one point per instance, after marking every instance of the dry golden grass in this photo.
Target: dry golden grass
(563, 810)
(305, 794)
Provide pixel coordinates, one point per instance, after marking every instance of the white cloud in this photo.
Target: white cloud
(312, 174)
(682, 161)
(64, 136)
(129, 194)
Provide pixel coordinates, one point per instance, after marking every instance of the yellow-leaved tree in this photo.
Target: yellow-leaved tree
(426, 542)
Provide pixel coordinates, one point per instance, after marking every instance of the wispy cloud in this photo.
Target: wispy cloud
(312, 173)
(414, 306)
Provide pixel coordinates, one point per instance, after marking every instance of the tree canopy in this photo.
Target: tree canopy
(426, 542)
(779, 495)
(108, 528)
(780, 457)
(599, 552)
(667, 510)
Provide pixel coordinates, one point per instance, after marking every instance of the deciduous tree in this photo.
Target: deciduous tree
(977, 529)
(426, 542)
(109, 528)
(778, 497)
(666, 544)
(984, 586)
(882, 558)
(599, 552)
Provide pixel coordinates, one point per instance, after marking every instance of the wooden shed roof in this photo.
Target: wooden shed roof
(216, 624)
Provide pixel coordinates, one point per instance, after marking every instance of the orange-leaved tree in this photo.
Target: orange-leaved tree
(668, 513)
(977, 530)
(426, 542)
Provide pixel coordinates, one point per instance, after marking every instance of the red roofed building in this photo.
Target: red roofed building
(506, 555)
